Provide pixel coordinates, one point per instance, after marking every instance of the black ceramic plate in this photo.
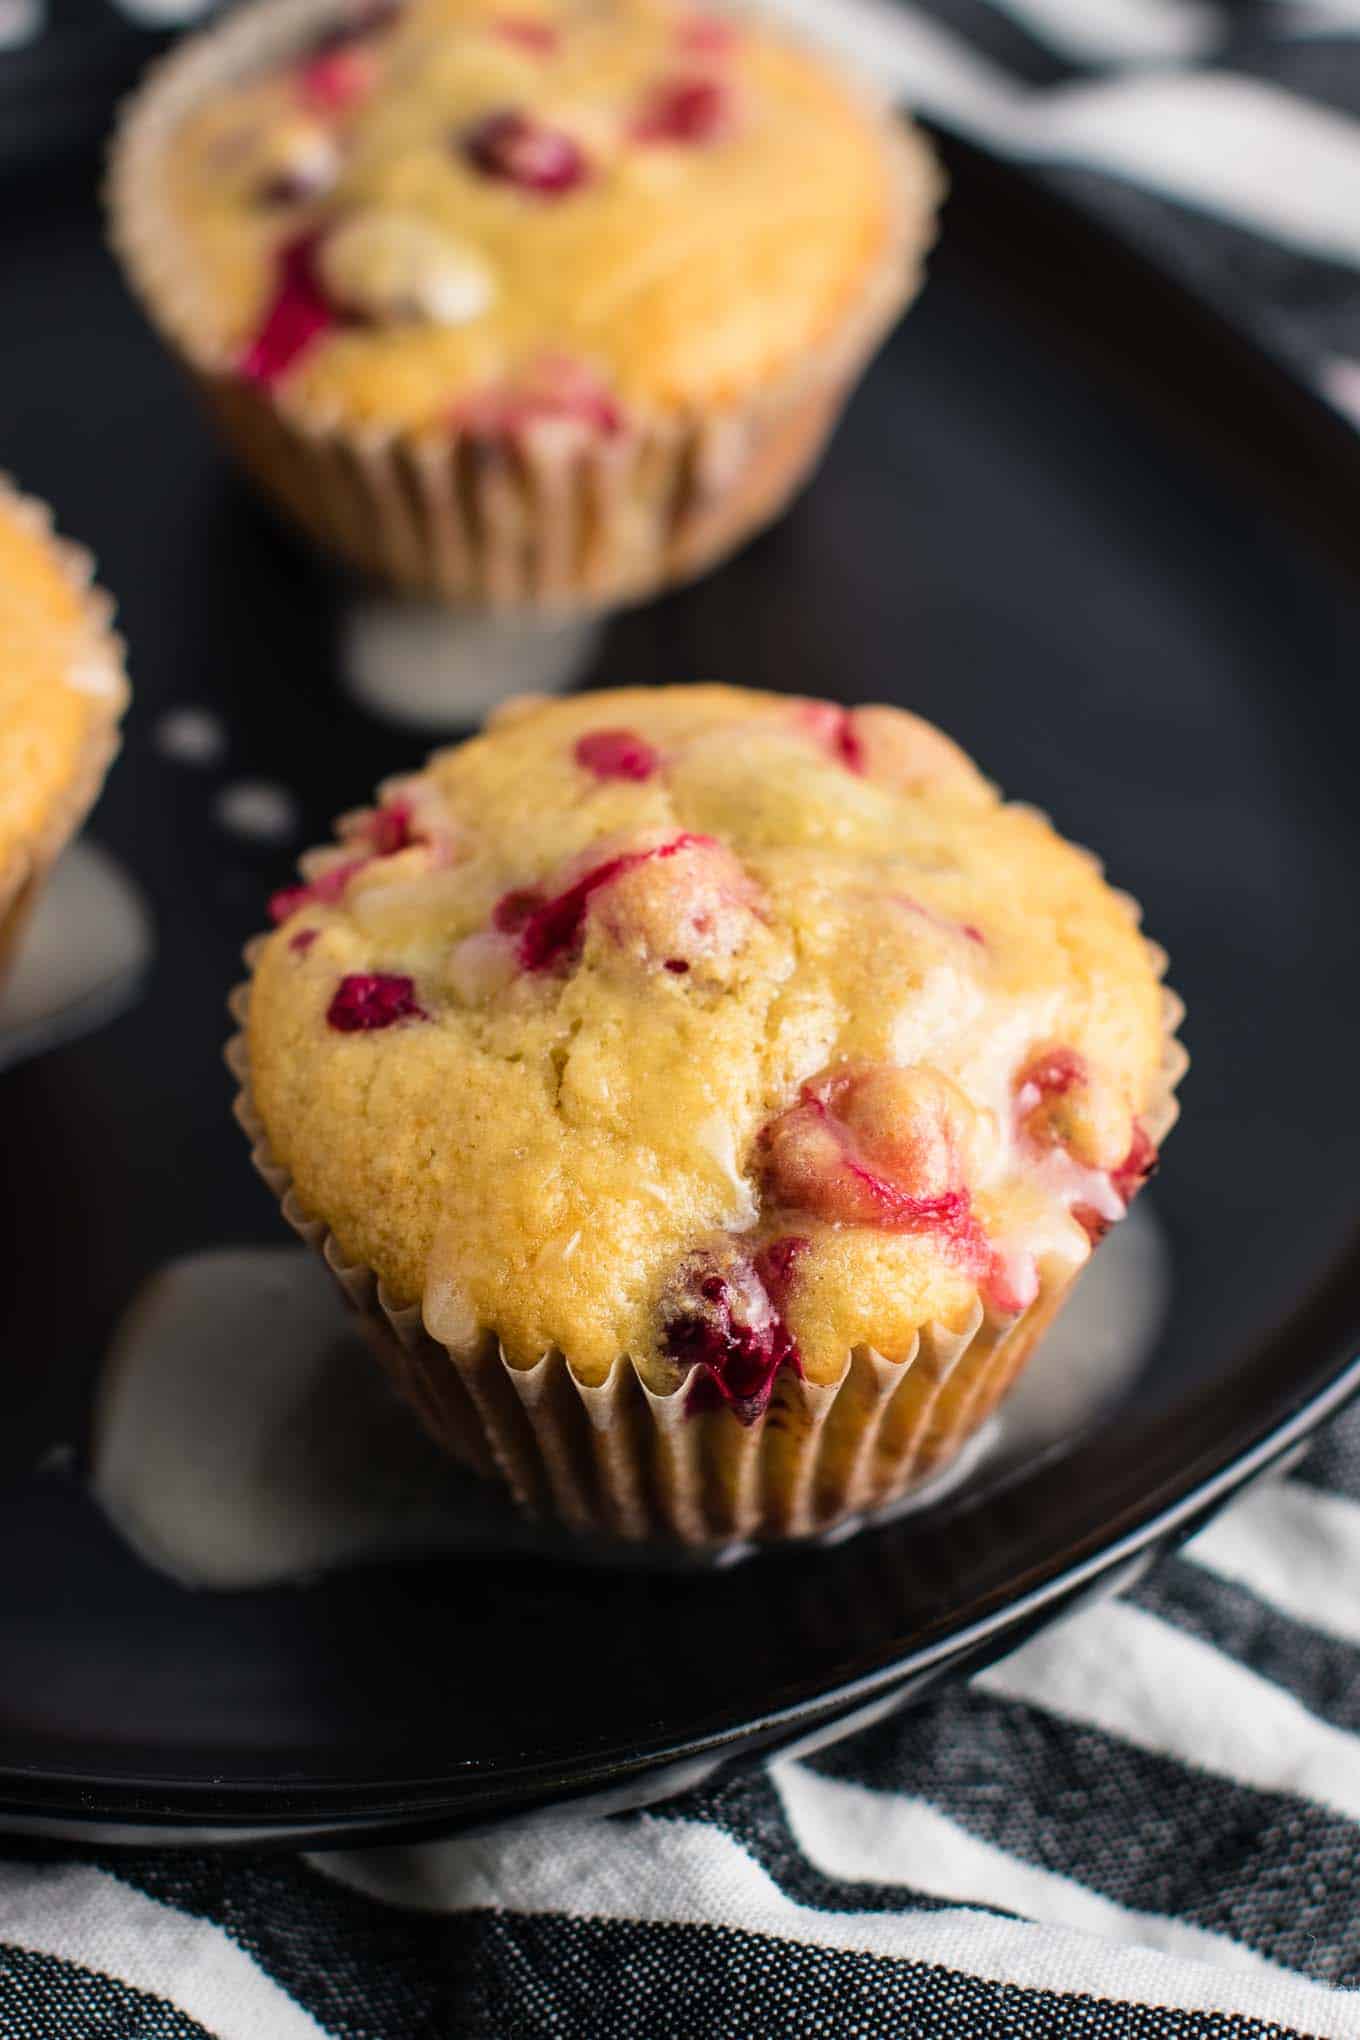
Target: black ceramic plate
(1103, 546)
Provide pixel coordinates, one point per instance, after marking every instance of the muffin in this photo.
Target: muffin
(708, 1096)
(539, 305)
(62, 693)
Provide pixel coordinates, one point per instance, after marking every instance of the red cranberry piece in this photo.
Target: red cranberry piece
(387, 830)
(369, 999)
(338, 79)
(834, 728)
(676, 965)
(521, 151)
(513, 909)
(303, 940)
(719, 1319)
(1138, 1164)
(298, 315)
(322, 892)
(777, 1262)
(616, 754)
(390, 829)
(684, 110)
(551, 929)
(1127, 1180)
(539, 37)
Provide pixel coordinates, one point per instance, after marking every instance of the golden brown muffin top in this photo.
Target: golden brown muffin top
(701, 1024)
(483, 212)
(60, 680)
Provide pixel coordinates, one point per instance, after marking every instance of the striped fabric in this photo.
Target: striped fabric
(1144, 1823)
(1217, 136)
(1147, 1822)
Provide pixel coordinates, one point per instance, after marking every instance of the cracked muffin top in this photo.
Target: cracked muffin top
(701, 1025)
(61, 685)
(487, 212)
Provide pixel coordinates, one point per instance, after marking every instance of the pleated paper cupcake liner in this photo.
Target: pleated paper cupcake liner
(99, 658)
(548, 518)
(620, 1462)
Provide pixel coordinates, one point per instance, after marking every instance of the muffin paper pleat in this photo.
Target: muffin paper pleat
(552, 518)
(617, 1461)
(24, 871)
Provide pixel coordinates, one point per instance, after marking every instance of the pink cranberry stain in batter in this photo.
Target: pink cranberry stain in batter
(815, 1161)
(549, 929)
(966, 928)
(1050, 1075)
(834, 729)
(722, 1321)
(386, 829)
(299, 313)
(513, 148)
(1127, 1180)
(322, 891)
(689, 111)
(372, 999)
(1011, 1282)
(557, 388)
(338, 79)
(616, 754)
(340, 67)
(303, 940)
(538, 37)
(707, 35)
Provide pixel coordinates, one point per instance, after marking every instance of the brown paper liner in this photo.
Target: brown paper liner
(25, 868)
(541, 521)
(620, 1461)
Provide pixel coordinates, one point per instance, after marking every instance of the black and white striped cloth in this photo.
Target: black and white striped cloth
(1145, 1823)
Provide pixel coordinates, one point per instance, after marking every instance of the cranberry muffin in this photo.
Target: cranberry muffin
(711, 1094)
(542, 304)
(62, 693)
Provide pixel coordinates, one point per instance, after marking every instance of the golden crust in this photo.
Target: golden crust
(677, 275)
(61, 692)
(551, 1138)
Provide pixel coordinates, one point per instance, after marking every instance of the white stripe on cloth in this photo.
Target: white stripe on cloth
(857, 1834)
(88, 1917)
(1119, 31)
(1127, 1673)
(1235, 146)
(1294, 1546)
(683, 1872)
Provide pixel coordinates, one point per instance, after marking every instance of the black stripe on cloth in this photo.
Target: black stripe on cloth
(1322, 68)
(1321, 1671)
(1268, 1869)
(43, 1997)
(1300, 307)
(537, 1978)
(1333, 1460)
(747, 1807)
(363, 1970)
(993, 33)
(367, 1971)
